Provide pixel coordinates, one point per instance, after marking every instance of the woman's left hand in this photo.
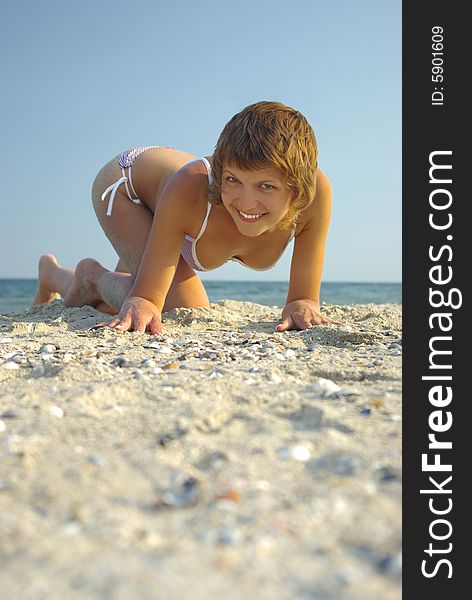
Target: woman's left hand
(301, 314)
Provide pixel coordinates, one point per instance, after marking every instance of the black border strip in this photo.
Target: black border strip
(435, 125)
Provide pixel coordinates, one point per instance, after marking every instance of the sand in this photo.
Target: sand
(219, 460)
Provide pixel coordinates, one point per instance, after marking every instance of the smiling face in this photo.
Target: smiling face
(257, 200)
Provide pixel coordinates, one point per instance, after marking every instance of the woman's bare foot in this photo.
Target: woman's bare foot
(46, 292)
(83, 289)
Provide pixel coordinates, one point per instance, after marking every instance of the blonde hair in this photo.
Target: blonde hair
(265, 135)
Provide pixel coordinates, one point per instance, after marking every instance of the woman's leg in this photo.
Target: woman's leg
(107, 290)
(127, 228)
(53, 280)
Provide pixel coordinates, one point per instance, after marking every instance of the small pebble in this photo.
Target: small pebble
(96, 460)
(70, 528)
(387, 474)
(365, 412)
(300, 453)
(6, 340)
(289, 353)
(391, 565)
(11, 413)
(229, 536)
(2, 426)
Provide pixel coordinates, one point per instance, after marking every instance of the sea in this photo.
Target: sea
(16, 294)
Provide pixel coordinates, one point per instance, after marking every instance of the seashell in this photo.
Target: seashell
(46, 356)
(326, 387)
(148, 363)
(10, 365)
(120, 361)
(164, 350)
(289, 353)
(298, 452)
(172, 365)
(47, 349)
(349, 391)
(56, 411)
(187, 494)
(183, 342)
(215, 374)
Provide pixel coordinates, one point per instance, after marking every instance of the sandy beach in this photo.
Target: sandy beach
(219, 460)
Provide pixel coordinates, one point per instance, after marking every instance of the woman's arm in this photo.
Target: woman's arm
(302, 307)
(172, 219)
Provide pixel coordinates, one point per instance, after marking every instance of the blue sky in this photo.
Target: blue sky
(84, 81)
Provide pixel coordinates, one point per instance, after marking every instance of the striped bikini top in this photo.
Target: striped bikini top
(189, 248)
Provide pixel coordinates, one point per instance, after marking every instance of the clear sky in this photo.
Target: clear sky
(82, 81)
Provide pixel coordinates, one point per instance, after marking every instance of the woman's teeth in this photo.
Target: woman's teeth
(251, 217)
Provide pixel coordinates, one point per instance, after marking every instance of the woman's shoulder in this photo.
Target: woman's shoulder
(320, 204)
(323, 184)
(191, 184)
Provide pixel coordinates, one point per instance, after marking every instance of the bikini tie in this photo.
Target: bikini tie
(112, 188)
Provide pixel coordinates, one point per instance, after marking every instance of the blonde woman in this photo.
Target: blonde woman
(169, 214)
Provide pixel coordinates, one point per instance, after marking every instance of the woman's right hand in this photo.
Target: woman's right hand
(137, 314)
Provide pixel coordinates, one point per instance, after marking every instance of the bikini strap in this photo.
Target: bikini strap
(208, 168)
(205, 223)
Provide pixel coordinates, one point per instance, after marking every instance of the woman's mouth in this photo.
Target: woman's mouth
(247, 218)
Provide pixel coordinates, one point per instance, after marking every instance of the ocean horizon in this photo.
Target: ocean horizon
(16, 295)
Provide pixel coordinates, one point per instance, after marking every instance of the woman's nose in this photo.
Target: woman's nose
(246, 203)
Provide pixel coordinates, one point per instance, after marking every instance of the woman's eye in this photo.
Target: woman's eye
(231, 179)
(267, 186)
